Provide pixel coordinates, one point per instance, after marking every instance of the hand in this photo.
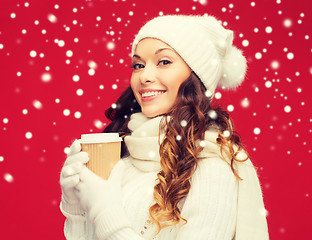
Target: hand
(102, 200)
(70, 174)
(96, 194)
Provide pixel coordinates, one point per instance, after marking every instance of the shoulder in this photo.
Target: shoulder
(213, 169)
(213, 186)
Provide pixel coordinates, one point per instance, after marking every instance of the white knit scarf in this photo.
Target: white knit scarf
(143, 146)
(143, 143)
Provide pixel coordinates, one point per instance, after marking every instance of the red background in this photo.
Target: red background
(36, 88)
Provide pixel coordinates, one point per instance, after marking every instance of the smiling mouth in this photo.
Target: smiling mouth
(151, 95)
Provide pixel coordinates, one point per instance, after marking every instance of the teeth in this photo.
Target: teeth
(154, 93)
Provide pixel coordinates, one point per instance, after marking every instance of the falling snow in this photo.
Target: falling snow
(8, 177)
(98, 124)
(258, 55)
(245, 103)
(91, 71)
(92, 64)
(287, 109)
(213, 114)
(208, 94)
(183, 123)
(28, 135)
(33, 53)
(268, 29)
(110, 45)
(268, 84)
(64, 64)
(245, 43)
(226, 133)
(76, 78)
(77, 115)
(257, 131)
(290, 56)
(66, 112)
(46, 77)
(79, 92)
(37, 104)
(275, 64)
(61, 43)
(230, 108)
(218, 95)
(52, 18)
(69, 53)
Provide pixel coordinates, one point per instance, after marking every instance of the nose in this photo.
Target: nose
(148, 74)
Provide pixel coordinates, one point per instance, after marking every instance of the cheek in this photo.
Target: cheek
(132, 81)
(134, 84)
(173, 97)
(174, 86)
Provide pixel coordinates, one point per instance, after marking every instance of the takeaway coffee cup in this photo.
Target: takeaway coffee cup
(103, 150)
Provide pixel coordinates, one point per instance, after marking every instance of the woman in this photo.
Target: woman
(184, 173)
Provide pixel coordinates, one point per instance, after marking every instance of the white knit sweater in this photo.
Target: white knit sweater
(218, 206)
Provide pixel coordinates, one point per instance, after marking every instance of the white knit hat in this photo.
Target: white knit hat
(204, 45)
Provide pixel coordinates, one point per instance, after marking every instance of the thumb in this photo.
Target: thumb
(117, 173)
(74, 148)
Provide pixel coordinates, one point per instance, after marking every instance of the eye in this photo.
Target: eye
(136, 66)
(164, 62)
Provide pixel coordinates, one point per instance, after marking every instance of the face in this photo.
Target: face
(158, 72)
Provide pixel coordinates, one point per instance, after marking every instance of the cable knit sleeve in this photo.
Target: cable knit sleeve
(210, 207)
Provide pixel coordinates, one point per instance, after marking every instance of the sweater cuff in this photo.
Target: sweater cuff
(73, 209)
(75, 224)
(110, 221)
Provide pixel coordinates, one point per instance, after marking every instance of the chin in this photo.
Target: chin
(152, 114)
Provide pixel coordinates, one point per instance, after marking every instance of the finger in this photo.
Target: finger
(78, 192)
(69, 182)
(74, 148)
(117, 173)
(71, 169)
(81, 157)
(79, 188)
(87, 175)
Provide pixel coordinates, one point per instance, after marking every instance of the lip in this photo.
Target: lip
(150, 98)
(150, 90)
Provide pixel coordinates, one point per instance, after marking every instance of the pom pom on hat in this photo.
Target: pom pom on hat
(203, 43)
(234, 69)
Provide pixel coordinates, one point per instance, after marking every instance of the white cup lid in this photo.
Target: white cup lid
(100, 138)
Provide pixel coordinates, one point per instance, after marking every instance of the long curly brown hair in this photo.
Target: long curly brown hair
(186, 124)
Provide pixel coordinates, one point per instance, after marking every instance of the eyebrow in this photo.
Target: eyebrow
(162, 49)
(158, 51)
